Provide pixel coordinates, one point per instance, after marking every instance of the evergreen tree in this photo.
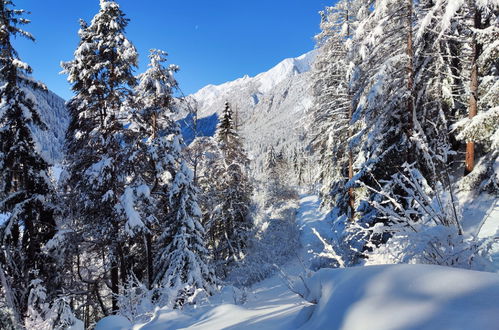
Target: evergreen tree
(230, 224)
(101, 75)
(271, 164)
(278, 181)
(332, 111)
(26, 191)
(182, 266)
(153, 149)
(407, 86)
(481, 127)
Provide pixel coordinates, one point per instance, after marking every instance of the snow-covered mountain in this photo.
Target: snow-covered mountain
(270, 107)
(55, 115)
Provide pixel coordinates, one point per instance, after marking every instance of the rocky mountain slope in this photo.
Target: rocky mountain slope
(270, 107)
(55, 115)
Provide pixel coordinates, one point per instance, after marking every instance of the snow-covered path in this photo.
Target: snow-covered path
(269, 304)
(310, 217)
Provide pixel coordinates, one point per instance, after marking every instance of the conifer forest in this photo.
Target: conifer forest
(353, 187)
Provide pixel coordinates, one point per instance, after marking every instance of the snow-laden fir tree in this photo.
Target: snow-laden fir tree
(206, 153)
(273, 183)
(182, 267)
(153, 143)
(409, 68)
(229, 224)
(332, 111)
(96, 181)
(277, 176)
(480, 22)
(46, 313)
(26, 191)
(382, 90)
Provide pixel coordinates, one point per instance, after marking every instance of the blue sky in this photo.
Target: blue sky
(213, 41)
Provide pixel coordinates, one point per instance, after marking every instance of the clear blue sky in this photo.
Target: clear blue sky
(213, 41)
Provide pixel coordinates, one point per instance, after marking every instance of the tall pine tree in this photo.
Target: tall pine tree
(102, 76)
(26, 191)
(230, 224)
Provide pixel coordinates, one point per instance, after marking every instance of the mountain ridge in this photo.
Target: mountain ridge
(270, 108)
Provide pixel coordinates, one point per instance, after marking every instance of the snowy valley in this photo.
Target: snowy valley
(270, 109)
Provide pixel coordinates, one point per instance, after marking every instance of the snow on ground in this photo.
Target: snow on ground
(404, 297)
(477, 213)
(374, 297)
(270, 305)
(481, 218)
(310, 217)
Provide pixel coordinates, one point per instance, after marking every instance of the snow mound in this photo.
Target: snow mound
(113, 322)
(403, 297)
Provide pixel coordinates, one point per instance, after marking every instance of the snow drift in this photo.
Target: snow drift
(404, 297)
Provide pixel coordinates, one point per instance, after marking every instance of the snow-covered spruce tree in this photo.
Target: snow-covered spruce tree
(182, 267)
(273, 184)
(458, 65)
(278, 185)
(481, 20)
(417, 196)
(332, 111)
(44, 314)
(25, 188)
(101, 75)
(207, 154)
(230, 221)
(153, 148)
(438, 101)
(383, 100)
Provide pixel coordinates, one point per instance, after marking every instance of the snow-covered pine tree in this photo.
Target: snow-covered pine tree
(273, 183)
(101, 75)
(153, 148)
(383, 98)
(332, 111)
(230, 223)
(182, 264)
(26, 191)
(481, 20)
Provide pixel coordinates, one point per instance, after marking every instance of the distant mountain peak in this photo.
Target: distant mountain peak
(270, 107)
(261, 83)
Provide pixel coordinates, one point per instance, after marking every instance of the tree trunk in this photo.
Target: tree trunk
(473, 104)
(114, 282)
(410, 74)
(123, 264)
(154, 124)
(148, 245)
(351, 192)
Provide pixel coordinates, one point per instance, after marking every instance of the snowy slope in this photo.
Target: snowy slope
(270, 107)
(404, 297)
(55, 115)
(246, 92)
